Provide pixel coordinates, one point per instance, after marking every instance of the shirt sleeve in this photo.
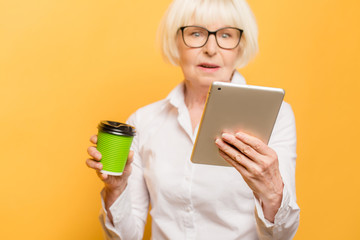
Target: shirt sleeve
(283, 141)
(129, 211)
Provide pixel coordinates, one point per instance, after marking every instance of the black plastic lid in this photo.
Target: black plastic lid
(116, 128)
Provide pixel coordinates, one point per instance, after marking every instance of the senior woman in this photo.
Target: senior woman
(254, 199)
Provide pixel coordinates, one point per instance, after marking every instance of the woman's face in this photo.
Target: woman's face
(202, 66)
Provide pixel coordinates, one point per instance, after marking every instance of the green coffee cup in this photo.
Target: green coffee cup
(114, 141)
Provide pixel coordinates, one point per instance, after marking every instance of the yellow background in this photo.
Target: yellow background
(65, 65)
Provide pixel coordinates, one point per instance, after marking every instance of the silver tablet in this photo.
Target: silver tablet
(233, 107)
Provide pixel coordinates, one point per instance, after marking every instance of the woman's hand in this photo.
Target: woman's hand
(258, 164)
(114, 185)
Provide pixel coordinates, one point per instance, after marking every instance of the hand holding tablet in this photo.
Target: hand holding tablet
(235, 108)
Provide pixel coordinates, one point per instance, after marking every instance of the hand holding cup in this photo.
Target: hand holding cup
(112, 183)
(112, 157)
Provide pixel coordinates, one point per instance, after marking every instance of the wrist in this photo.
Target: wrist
(271, 204)
(274, 198)
(111, 194)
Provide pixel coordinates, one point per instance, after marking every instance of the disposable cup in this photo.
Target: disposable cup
(114, 141)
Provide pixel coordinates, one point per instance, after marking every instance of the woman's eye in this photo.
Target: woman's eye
(196, 34)
(225, 35)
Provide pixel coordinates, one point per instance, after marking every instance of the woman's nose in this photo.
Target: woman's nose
(211, 47)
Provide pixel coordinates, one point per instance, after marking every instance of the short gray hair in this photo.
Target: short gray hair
(235, 13)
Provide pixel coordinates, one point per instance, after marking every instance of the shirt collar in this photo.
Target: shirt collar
(176, 96)
(238, 78)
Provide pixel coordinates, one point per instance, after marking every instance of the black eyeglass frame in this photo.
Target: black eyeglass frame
(211, 33)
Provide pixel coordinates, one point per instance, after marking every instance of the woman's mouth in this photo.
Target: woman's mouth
(208, 67)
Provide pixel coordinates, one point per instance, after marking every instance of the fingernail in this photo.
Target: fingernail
(226, 136)
(239, 134)
(217, 141)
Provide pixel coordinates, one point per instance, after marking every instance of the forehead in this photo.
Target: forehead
(212, 14)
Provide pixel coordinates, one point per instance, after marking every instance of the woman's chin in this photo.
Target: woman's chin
(205, 82)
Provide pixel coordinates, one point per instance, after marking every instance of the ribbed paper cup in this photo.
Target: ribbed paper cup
(114, 141)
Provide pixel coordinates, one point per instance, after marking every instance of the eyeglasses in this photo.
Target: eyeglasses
(197, 37)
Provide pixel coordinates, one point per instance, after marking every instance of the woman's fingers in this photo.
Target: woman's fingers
(242, 147)
(95, 155)
(233, 162)
(93, 152)
(102, 176)
(91, 163)
(253, 143)
(93, 139)
(234, 154)
(111, 182)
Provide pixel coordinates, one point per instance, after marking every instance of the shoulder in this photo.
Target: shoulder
(147, 114)
(156, 112)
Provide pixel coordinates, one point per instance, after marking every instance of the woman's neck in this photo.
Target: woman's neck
(195, 99)
(195, 96)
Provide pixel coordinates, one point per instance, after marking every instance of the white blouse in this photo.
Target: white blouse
(194, 201)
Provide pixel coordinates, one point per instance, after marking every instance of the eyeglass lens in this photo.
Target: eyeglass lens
(227, 38)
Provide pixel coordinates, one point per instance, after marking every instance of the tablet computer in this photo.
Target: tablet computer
(233, 107)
